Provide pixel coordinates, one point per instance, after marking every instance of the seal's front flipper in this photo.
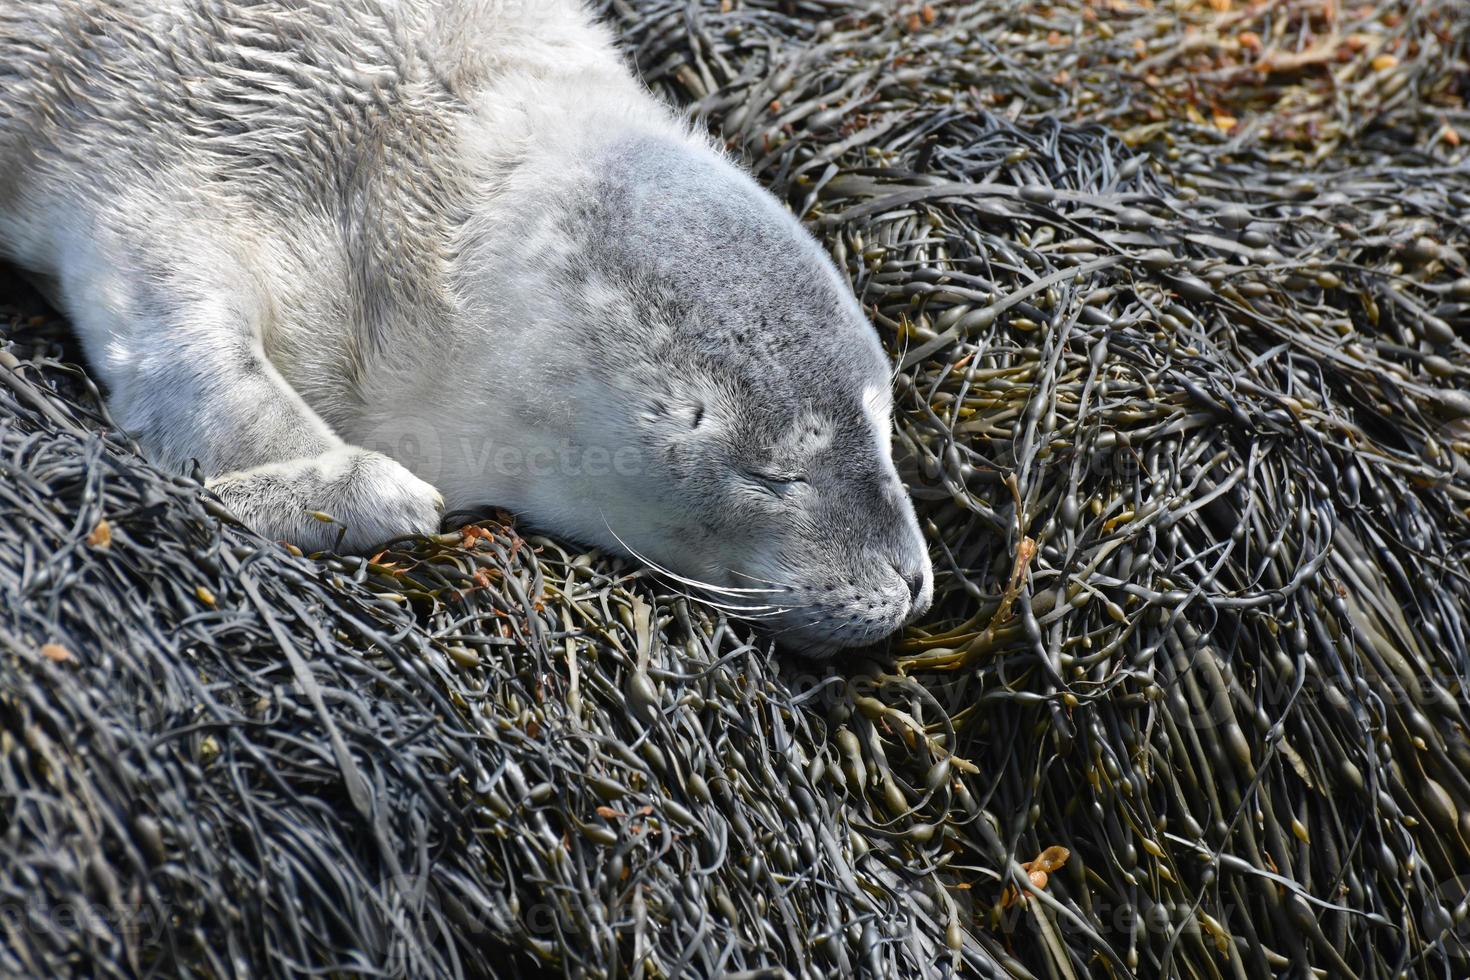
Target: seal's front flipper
(267, 455)
(181, 354)
(273, 462)
(368, 497)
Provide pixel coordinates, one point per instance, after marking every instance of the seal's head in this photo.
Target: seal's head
(741, 399)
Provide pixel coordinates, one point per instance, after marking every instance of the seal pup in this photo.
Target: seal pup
(376, 257)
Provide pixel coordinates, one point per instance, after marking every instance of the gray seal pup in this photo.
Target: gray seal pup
(353, 255)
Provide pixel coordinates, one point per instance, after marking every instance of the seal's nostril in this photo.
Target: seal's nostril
(916, 584)
(913, 581)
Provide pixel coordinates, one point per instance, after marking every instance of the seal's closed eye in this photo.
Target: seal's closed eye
(777, 481)
(780, 486)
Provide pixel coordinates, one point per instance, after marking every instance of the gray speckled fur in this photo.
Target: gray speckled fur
(353, 255)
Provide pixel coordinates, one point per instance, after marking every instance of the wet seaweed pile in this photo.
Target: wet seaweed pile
(1190, 433)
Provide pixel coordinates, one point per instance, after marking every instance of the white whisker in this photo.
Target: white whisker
(751, 612)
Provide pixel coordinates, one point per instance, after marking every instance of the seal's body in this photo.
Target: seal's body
(348, 254)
